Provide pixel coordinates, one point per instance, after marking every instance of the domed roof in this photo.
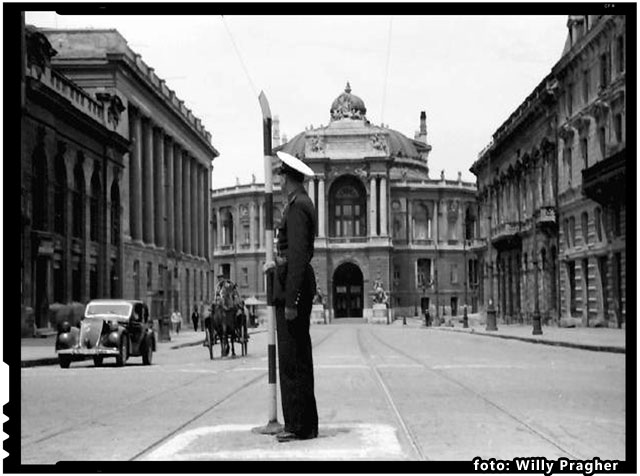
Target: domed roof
(347, 105)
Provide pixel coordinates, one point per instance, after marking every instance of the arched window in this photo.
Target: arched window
(59, 214)
(421, 223)
(347, 208)
(78, 198)
(227, 227)
(115, 213)
(469, 224)
(585, 228)
(597, 214)
(39, 188)
(95, 206)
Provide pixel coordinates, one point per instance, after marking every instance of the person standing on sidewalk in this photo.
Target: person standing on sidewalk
(176, 319)
(195, 317)
(294, 289)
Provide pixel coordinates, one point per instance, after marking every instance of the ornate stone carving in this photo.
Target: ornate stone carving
(378, 142)
(380, 296)
(114, 106)
(316, 144)
(39, 50)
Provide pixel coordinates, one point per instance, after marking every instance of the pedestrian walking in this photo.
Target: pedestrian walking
(176, 320)
(195, 317)
(294, 289)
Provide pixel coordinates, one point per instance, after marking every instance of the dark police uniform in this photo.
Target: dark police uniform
(294, 287)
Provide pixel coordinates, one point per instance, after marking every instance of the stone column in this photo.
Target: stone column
(147, 182)
(409, 221)
(372, 206)
(321, 212)
(186, 203)
(169, 195)
(202, 223)
(159, 191)
(218, 228)
(436, 221)
(383, 206)
(178, 207)
(312, 190)
(260, 225)
(208, 239)
(135, 178)
(193, 172)
(252, 225)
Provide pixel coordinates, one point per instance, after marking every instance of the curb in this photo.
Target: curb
(534, 340)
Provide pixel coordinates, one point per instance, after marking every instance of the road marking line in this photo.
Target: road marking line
(346, 441)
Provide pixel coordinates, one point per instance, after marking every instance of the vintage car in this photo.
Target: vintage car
(109, 328)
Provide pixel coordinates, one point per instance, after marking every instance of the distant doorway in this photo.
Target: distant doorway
(424, 304)
(347, 291)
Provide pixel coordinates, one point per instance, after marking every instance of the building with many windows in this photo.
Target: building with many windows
(552, 188)
(72, 179)
(165, 176)
(380, 218)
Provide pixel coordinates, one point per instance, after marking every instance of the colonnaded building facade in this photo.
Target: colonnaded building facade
(71, 174)
(552, 188)
(161, 169)
(380, 218)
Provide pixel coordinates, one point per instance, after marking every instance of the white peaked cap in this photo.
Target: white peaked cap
(295, 163)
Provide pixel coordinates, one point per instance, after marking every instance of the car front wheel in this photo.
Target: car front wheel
(121, 358)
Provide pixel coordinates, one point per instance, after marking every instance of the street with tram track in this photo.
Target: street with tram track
(383, 392)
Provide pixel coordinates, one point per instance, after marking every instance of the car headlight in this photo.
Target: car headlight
(113, 338)
(113, 325)
(64, 326)
(64, 340)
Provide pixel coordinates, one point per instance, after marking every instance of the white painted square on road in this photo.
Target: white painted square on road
(346, 441)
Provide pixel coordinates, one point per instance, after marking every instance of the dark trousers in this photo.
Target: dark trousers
(295, 364)
(195, 322)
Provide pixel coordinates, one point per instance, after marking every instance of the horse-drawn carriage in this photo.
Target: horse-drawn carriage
(227, 321)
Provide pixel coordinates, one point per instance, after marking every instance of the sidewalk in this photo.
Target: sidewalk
(587, 338)
(36, 351)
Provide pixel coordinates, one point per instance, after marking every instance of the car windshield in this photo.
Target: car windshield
(117, 309)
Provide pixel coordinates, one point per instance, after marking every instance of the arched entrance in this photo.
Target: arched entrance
(347, 291)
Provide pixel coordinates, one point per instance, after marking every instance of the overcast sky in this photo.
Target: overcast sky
(469, 73)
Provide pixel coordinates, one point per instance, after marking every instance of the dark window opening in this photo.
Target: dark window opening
(59, 216)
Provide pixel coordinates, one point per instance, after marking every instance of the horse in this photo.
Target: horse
(225, 312)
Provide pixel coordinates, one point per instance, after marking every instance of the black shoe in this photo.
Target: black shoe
(285, 436)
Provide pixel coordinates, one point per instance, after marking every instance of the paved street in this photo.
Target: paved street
(383, 392)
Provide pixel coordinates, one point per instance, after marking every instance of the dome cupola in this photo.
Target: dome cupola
(348, 106)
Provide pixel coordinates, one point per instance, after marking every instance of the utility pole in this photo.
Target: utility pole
(272, 427)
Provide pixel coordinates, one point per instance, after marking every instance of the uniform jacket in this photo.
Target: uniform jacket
(296, 235)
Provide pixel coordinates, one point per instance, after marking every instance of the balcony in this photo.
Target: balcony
(347, 240)
(547, 217)
(506, 235)
(604, 182)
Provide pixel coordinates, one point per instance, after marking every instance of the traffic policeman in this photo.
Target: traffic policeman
(294, 289)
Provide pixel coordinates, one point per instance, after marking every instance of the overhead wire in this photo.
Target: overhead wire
(235, 47)
(386, 73)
